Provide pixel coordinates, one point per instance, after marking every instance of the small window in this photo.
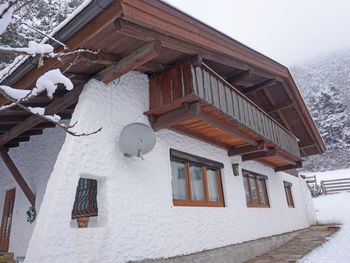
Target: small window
(195, 181)
(289, 196)
(255, 189)
(85, 204)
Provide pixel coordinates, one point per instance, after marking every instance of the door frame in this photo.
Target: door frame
(6, 220)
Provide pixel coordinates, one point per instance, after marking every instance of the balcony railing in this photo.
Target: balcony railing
(211, 87)
(225, 116)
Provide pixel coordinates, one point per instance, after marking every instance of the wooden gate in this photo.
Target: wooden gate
(7, 220)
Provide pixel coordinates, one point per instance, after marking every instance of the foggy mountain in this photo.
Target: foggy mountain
(325, 85)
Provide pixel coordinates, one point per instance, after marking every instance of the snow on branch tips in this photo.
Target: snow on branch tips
(48, 83)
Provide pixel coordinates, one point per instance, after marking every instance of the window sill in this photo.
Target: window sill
(197, 203)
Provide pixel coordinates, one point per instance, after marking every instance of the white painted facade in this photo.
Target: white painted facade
(137, 219)
(35, 160)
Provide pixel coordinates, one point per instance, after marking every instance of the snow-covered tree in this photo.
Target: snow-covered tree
(325, 86)
(14, 15)
(43, 15)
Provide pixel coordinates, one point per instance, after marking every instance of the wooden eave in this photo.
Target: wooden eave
(125, 26)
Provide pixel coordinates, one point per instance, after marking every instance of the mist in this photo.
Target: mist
(290, 31)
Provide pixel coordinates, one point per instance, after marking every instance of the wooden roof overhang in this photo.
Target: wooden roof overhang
(151, 36)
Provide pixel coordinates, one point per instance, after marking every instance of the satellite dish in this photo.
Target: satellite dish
(136, 139)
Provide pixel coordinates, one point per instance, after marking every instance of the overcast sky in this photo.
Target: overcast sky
(289, 31)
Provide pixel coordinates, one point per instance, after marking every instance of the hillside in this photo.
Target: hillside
(325, 86)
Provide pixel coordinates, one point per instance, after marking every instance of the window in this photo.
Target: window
(255, 189)
(289, 196)
(195, 181)
(85, 203)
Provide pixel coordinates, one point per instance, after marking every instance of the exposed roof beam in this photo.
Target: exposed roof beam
(248, 149)
(102, 58)
(258, 155)
(20, 139)
(239, 77)
(307, 144)
(11, 145)
(279, 107)
(137, 58)
(12, 119)
(263, 85)
(17, 175)
(56, 106)
(311, 129)
(30, 133)
(288, 167)
(145, 34)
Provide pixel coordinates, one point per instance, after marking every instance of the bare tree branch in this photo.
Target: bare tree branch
(48, 36)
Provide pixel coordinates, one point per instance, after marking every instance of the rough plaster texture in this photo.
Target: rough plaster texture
(35, 160)
(136, 217)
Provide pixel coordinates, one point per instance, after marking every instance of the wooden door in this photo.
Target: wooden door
(7, 220)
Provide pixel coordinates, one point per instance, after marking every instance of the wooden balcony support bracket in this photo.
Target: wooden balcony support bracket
(262, 146)
(263, 85)
(258, 155)
(17, 175)
(135, 59)
(174, 117)
(288, 167)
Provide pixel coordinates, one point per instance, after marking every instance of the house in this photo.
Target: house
(231, 128)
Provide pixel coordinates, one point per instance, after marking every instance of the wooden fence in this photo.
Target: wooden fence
(335, 186)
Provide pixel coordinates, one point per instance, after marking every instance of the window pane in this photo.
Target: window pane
(262, 192)
(213, 186)
(196, 182)
(254, 191)
(178, 182)
(246, 188)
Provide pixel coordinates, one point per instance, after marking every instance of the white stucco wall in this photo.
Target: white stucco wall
(35, 160)
(136, 217)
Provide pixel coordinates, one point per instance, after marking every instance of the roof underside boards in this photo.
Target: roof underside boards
(127, 25)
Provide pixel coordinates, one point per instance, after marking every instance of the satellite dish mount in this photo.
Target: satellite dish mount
(136, 140)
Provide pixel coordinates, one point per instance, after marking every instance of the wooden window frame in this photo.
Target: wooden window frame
(289, 194)
(246, 176)
(204, 164)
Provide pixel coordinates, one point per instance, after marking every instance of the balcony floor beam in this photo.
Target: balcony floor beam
(248, 149)
(258, 155)
(288, 167)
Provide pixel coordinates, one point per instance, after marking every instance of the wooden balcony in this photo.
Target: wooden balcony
(191, 98)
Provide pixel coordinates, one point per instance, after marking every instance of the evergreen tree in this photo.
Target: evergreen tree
(43, 15)
(329, 113)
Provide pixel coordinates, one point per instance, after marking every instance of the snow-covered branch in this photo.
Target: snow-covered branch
(48, 82)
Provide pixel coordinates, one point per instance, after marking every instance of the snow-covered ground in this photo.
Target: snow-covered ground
(333, 209)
